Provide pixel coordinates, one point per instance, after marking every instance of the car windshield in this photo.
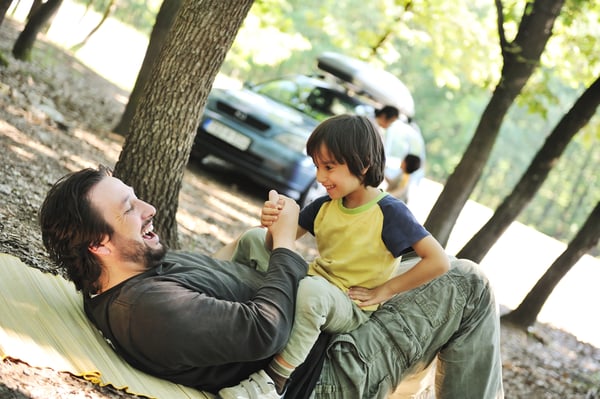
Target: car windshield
(317, 101)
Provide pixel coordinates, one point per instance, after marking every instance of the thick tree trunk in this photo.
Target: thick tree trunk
(587, 238)
(162, 26)
(521, 57)
(157, 147)
(537, 172)
(24, 44)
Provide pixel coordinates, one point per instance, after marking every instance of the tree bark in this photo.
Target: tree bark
(537, 172)
(24, 44)
(162, 26)
(4, 6)
(157, 147)
(521, 57)
(585, 239)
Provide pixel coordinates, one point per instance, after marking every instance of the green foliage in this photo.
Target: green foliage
(448, 54)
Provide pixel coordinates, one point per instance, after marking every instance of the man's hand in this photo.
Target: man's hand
(283, 229)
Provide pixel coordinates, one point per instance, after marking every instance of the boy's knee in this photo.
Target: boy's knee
(251, 251)
(253, 236)
(310, 294)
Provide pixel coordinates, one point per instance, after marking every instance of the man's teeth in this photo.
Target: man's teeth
(148, 230)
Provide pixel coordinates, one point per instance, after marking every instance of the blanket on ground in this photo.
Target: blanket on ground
(42, 323)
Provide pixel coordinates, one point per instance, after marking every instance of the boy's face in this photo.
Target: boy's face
(335, 177)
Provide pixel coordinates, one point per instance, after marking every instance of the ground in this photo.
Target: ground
(57, 119)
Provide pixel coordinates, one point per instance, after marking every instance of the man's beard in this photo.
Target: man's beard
(137, 252)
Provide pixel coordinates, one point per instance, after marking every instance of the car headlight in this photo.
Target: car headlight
(292, 141)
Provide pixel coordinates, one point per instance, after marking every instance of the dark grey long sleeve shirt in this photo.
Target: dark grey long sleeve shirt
(198, 321)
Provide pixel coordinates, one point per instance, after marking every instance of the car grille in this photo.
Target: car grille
(242, 116)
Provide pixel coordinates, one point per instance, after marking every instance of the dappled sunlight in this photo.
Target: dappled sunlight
(195, 226)
(25, 155)
(111, 149)
(234, 213)
(24, 142)
(226, 206)
(48, 145)
(74, 163)
(209, 210)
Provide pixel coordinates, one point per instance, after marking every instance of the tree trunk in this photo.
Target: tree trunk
(162, 131)
(585, 239)
(162, 26)
(521, 57)
(537, 172)
(24, 44)
(4, 6)
(35, 6)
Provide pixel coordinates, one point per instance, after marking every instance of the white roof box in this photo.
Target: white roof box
(379, 84)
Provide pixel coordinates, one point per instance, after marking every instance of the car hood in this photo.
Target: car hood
(274, 116)
(379, 84)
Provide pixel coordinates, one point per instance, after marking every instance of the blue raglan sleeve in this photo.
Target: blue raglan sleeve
(306, 220)
(400, 227)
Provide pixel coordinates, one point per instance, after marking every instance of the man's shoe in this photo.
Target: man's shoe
(258, 386)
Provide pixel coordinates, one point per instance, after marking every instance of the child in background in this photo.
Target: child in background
(361, 233)
(398, 186)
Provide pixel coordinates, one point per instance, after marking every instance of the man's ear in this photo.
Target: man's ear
(100, 249)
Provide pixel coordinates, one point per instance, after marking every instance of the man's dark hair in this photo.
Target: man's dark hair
(351, 140)
(412, 163)
(388, 111)
(70, 225)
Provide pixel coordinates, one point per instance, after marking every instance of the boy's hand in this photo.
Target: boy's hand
(368, 297)
(271, 209)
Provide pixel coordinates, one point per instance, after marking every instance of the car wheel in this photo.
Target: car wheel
(315, 190)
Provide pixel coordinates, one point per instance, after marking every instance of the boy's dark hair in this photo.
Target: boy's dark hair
(70, 225)
(352, 140)
(412, 163)
(388, 111)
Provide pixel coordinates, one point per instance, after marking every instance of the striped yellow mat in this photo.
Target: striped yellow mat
(43, 324)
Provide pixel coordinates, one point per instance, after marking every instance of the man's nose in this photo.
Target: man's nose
(149, 210)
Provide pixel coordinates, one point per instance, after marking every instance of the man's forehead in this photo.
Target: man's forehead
(109, 191)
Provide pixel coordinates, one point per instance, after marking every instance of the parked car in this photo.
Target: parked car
(262, 129)
(262, 138)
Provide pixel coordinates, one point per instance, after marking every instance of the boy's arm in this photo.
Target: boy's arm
(434, 262)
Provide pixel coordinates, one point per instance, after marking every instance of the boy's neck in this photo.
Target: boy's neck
(360, 197)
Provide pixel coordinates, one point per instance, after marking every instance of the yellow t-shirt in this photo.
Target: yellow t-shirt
(359, 246)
